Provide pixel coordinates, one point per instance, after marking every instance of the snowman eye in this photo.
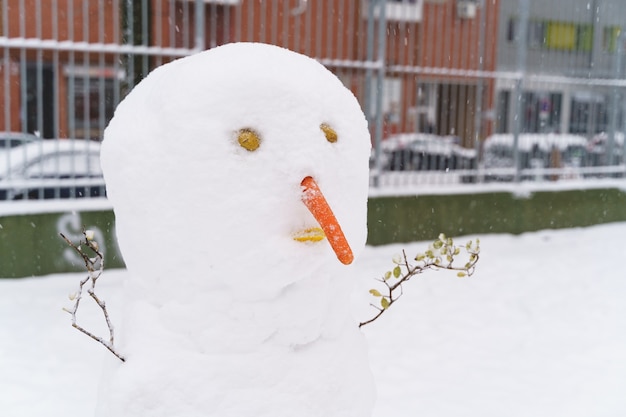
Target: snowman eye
(248, 139)
(329, 132)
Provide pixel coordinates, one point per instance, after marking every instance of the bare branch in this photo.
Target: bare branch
(95, 267)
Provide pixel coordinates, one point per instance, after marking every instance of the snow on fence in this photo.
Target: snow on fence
(439, 81)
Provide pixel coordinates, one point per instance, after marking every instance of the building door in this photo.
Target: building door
(40, 100)
(456, 112)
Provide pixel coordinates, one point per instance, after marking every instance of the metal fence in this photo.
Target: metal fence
(455, 91)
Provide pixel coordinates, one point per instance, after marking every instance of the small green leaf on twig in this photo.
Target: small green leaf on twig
(375, 293)
(397, 271)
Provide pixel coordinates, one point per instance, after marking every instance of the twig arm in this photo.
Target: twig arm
(439, 256)
(95, 267)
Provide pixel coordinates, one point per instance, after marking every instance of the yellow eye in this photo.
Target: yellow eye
(329, 132)
(249, 139)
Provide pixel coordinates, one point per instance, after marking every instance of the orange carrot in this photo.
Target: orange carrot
(315, 201)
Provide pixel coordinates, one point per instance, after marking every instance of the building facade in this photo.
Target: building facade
(573, 62)
(50, 81)
(416, 65)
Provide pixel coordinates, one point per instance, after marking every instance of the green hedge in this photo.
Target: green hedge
(30, 244)
(417, 218)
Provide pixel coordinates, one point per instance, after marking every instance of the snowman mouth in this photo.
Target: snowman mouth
(314, 200)
(311, 234)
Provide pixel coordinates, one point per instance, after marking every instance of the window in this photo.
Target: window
(224, 2)
(589, 113)
(92, 106)
(397, 10)
(536, 34)
(610, 36)
(584, 38)
(503, 110)
(560, 35)
(556, 35)
(391, 98)
(542, 112)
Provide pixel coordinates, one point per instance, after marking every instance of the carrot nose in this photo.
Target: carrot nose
(315, 201)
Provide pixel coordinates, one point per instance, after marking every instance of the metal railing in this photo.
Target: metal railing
(439, 80)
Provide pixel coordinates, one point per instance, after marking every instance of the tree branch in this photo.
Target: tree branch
(433, 258)
(95, 267)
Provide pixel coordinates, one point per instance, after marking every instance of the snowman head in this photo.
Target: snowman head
(211, 157)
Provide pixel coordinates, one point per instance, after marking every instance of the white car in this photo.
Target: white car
(426, 152)
(535, 150)
(51, 168)
(10, 140)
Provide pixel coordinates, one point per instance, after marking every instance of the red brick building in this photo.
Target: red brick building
(67, 63)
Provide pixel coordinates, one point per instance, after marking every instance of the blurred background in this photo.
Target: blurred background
(456, 91)
(462, 97)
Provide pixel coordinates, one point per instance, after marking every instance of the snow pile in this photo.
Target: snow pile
(226, 314)
(539, 330)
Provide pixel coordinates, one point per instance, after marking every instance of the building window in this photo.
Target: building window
(397, 10)
(542, 112)
(555, 35)
(589, 113)
(92, 94)
(610, 36)
(561, 36)
(391, 103)
(536, 34)
(223, 2)
(93, 106)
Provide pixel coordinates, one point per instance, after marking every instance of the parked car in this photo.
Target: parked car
(536, 150)
(9, 140)
(425, 152)
(60, 168)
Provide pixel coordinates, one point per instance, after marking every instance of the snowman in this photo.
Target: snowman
(239, 181)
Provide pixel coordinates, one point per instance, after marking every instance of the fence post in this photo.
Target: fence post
(380, 78)
(621, 39)
(199, 32)
(617, 69)
(369, 58)
(522, 45)
(480, 90)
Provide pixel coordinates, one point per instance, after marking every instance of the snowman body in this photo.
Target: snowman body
(225, 313)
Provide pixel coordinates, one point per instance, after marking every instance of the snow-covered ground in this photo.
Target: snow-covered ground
(539, 330)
